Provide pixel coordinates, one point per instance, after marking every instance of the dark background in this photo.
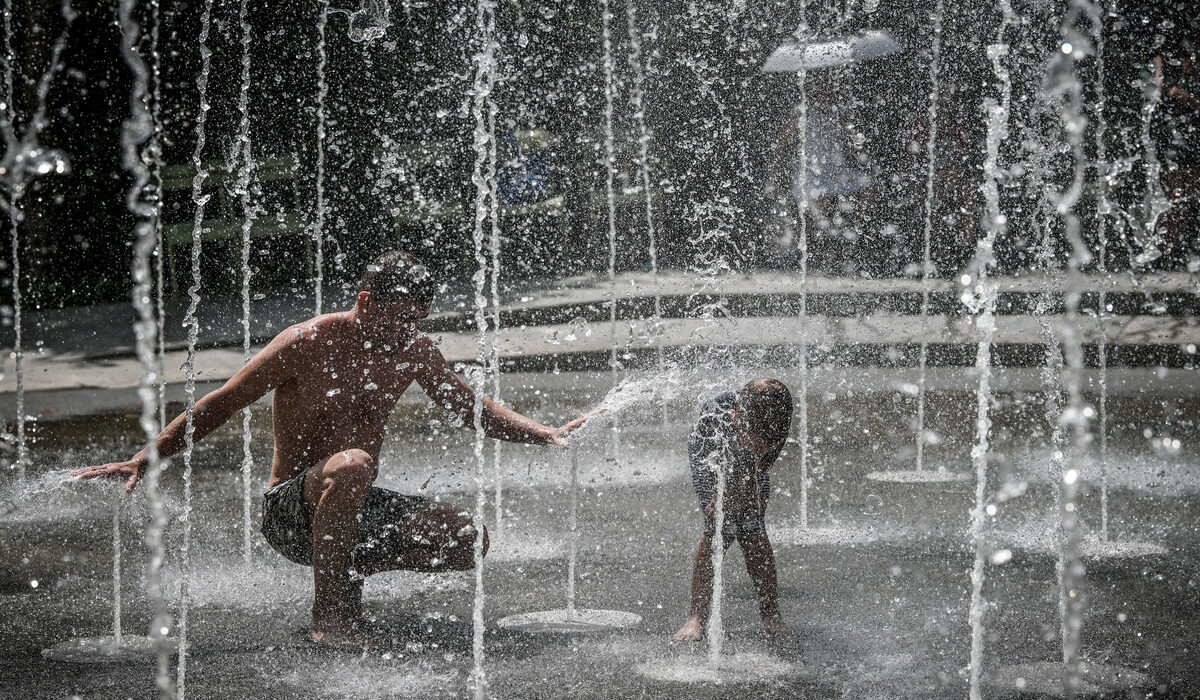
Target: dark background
(713, 116)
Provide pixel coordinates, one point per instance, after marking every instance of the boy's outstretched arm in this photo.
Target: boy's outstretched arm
(452, 393)
(265, 371)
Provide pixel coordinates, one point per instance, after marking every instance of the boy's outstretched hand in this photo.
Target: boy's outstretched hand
(560, 437)
(130, 470)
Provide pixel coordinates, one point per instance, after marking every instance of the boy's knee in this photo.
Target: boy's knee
(354, 469)
(461, 553)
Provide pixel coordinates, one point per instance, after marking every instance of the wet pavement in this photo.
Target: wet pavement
(877, 609)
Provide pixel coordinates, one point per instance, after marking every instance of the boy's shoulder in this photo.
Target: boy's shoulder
(724, 400)
(716, 408)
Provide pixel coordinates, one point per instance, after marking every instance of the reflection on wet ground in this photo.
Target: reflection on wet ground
(875, 592)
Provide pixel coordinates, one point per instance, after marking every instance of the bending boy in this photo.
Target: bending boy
(741, 434)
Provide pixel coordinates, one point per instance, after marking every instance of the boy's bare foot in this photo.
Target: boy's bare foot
(691, 631)
(774, 627)
(351, 635)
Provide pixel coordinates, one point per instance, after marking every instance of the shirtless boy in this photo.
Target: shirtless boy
(741, 434)
(336, 379)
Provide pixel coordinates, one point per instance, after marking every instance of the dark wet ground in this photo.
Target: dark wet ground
(885, 616)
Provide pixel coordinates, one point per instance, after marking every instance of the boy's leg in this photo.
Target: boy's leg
(702, 585)
(436, 537)
(334, 490)
(760, 565)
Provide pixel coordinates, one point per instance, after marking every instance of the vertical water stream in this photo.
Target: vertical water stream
(609, 167)
(318, 226)
(245, 172)
(980, 298)
(484, 181)
(192, 323)
(1063, 87)
(135, 133)
(926, 261)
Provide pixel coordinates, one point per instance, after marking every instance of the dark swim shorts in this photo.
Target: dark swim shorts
(288, 528)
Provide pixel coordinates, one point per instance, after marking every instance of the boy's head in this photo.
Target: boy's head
(397, 276)
(765, 409)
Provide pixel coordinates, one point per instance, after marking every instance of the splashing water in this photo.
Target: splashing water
(24, 159)
(1103, 209)
(481, 106)
(154, 150)
(242, 189)
(494, 354)
(318, 225)
(192, 323)
(926, 260)
(715, 630)
(1063, 83)
(657, 388)
(369, 22)
(980, 298)
(135, 133)
(637, 103)
(116, 521)
(610, 168)
(573, 528)
(1156, 204)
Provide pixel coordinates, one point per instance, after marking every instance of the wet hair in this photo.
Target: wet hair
(766, 406)
(397, 275)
